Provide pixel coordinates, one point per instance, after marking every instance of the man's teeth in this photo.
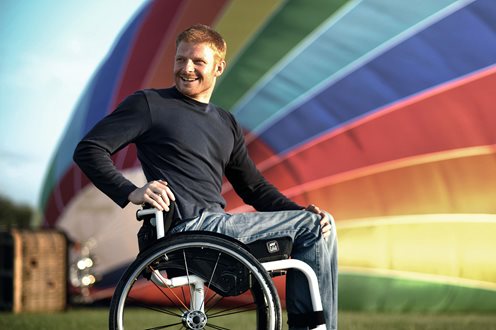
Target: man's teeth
(188, 79)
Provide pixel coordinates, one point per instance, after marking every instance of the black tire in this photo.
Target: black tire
(235, 282)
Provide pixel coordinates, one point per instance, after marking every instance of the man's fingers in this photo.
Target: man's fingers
(169, 194)
(163, 195)
(155, 200)
(154, 197)
(156, 193)
(325, 224)
(161, 187)
(325, 219)
(312, 208)
(326, 227)
(158, 185)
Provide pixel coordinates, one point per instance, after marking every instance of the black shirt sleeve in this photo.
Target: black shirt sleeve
(249, 183)
(93, 154)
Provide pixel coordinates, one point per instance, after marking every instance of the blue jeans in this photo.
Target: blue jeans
(308, 245)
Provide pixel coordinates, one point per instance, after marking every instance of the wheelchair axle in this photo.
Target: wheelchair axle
(194, 320)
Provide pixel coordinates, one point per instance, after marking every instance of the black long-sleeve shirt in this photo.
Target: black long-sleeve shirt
(189, 144)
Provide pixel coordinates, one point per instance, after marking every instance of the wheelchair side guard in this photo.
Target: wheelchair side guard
(271, 249)
(224, 274)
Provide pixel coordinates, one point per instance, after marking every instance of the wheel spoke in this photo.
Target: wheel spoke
(215, 304)
(171, 291)
(152, 308)
(186, 267)
(184, 294)
(234, 310)
(216, 327)
(164, 326)
(211, 277)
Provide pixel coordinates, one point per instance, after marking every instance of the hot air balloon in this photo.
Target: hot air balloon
(381, 112)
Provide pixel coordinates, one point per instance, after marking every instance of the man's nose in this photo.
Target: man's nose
(189, 66)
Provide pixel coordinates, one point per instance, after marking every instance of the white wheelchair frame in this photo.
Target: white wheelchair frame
(197, 284)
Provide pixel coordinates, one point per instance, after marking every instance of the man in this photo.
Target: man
(186, 145)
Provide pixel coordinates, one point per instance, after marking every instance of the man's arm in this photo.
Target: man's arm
(249, 183)
(95, 161)
(254, 189)
(111, 134)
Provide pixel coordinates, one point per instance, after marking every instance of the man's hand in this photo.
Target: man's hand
(155, 193)
(325, 222)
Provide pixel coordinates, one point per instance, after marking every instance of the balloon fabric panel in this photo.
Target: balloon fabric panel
(387, 79)
(285, 29)
(303, 69)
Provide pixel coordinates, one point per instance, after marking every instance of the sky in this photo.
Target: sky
(49, 50)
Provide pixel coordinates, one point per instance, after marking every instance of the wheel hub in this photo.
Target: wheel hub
(194, 320)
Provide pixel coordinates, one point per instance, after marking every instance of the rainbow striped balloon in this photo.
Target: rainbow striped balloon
(382, 112)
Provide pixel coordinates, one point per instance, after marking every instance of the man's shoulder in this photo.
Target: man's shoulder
(224, 113)
(162, 92)
(159, 98)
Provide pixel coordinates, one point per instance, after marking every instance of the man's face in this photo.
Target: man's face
(196, 69)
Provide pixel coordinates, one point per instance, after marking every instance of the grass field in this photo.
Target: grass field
(96, 318)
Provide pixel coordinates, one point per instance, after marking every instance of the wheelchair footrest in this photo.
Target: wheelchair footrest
(311, 319)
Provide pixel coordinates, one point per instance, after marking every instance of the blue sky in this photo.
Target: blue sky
(49, 51)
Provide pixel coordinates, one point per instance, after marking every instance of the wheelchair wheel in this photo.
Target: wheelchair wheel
(195, 281)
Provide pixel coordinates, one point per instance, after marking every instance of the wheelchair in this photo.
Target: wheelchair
(204, 280)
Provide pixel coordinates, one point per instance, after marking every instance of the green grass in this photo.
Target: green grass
(96, 318)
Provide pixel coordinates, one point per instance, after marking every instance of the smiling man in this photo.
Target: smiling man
(186, 145)
(197, 66)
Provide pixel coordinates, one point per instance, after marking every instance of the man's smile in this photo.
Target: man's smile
(188, 79)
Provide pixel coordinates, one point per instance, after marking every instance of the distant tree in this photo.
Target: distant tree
(14, 215)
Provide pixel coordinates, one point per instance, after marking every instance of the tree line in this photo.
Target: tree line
(13, 215)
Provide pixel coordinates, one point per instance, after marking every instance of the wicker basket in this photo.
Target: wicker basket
(39, 270)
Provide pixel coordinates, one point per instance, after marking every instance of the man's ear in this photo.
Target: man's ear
(220, 68)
